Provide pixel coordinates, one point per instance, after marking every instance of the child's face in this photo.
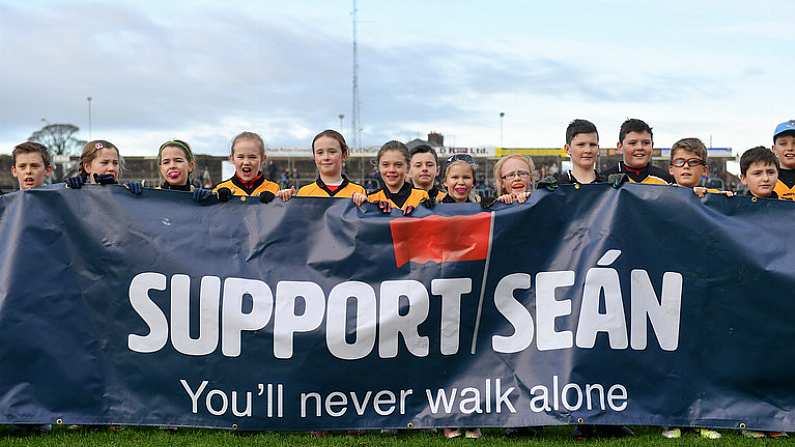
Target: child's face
(30, 171)
(583, 150)
(105, 163)
(784, 148)
(760, 178)
(637, 148)
(459, 181)
(393, 169)
(685, 174)
(174, 166)
(247, 158)
(328, 157)
(515, 176)
(423, 170)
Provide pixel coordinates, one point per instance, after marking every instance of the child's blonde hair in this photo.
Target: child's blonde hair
(473, 197)
(498, 167)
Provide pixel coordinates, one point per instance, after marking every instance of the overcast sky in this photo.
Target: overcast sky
(204, 71)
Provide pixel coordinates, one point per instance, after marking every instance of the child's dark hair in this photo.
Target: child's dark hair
(579, 126)
(693, 145)
(425, 149)
(758, 154)
(633, 125)
(30, 147)
(394, 145)
(333, 134)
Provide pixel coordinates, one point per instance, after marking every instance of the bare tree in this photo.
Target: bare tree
(59, 139)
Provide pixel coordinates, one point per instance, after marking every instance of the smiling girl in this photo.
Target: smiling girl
(393, 166)
(330, 152)
(459, 179)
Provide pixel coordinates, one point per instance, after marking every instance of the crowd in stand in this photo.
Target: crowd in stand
(409, 179)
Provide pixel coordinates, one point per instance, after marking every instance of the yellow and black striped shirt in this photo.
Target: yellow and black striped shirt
(650, 174)
(406, 197)
(320, 189)
(785, 185)
(255, 189)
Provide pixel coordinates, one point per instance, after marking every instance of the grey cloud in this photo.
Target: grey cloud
(153, 73)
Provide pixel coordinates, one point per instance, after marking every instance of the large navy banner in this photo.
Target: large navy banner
(638, 305)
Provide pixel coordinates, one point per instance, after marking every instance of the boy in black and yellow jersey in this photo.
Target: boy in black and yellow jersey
(423, 170)
(784, 148)
(248, 154)
(635, 143)
(393, 166)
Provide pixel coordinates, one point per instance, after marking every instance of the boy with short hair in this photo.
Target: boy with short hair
(30, 164)
(784, 148)
(759, 172)
(636, 143)
(582, 146)
(423, 170)
(688, 162)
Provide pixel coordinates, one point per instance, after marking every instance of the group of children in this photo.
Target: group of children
(409, 179)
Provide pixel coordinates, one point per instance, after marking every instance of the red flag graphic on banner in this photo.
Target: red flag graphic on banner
(441, 239)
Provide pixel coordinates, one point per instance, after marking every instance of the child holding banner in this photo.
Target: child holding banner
(459, 179)
(393, 166)
(176, 162)
(759, 172)
(101, 164)
(248, 155)
(514, 175)
(423, 170)
(636, 143)
(329, 151)
(582, 146)
(30, 164)
(688, 165)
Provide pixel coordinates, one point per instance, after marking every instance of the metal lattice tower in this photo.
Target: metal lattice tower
(355, 125)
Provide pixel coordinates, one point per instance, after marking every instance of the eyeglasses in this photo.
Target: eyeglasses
(461, 157)
(520, 174)
(691, 162)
